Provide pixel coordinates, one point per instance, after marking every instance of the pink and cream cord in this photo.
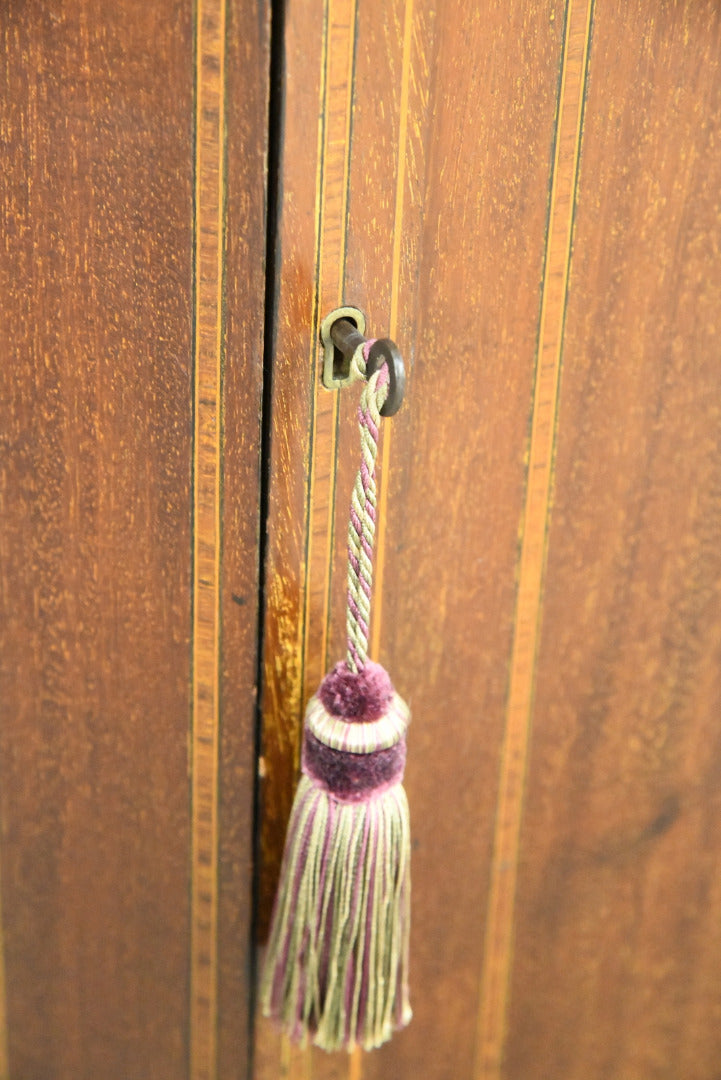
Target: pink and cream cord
(362, 524)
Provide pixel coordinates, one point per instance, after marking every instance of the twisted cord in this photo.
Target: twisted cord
(362, 523)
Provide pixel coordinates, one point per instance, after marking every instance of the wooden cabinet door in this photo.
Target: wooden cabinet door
(526, 196)
(131, 263)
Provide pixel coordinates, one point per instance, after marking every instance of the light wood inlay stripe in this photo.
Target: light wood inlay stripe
(498, 952)
(333, 168)
(295, 1062)
(355, 1063)
(208, 258)
(380, 560)
(334, 160)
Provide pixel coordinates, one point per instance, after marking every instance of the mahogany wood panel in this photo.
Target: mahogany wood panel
(618, 942)
(446, 253)
(479, 164)
(95, 474)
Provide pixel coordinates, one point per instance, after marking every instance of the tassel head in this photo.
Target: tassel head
(337, 964)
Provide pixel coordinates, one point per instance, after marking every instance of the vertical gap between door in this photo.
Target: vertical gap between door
(273, 198)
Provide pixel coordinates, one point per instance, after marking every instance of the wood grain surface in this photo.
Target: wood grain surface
(454, 263)
(617, 964)
(463, 186)
(126, 463)
(95, 475)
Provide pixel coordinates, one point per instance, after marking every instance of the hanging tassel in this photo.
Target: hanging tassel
(337, 963)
